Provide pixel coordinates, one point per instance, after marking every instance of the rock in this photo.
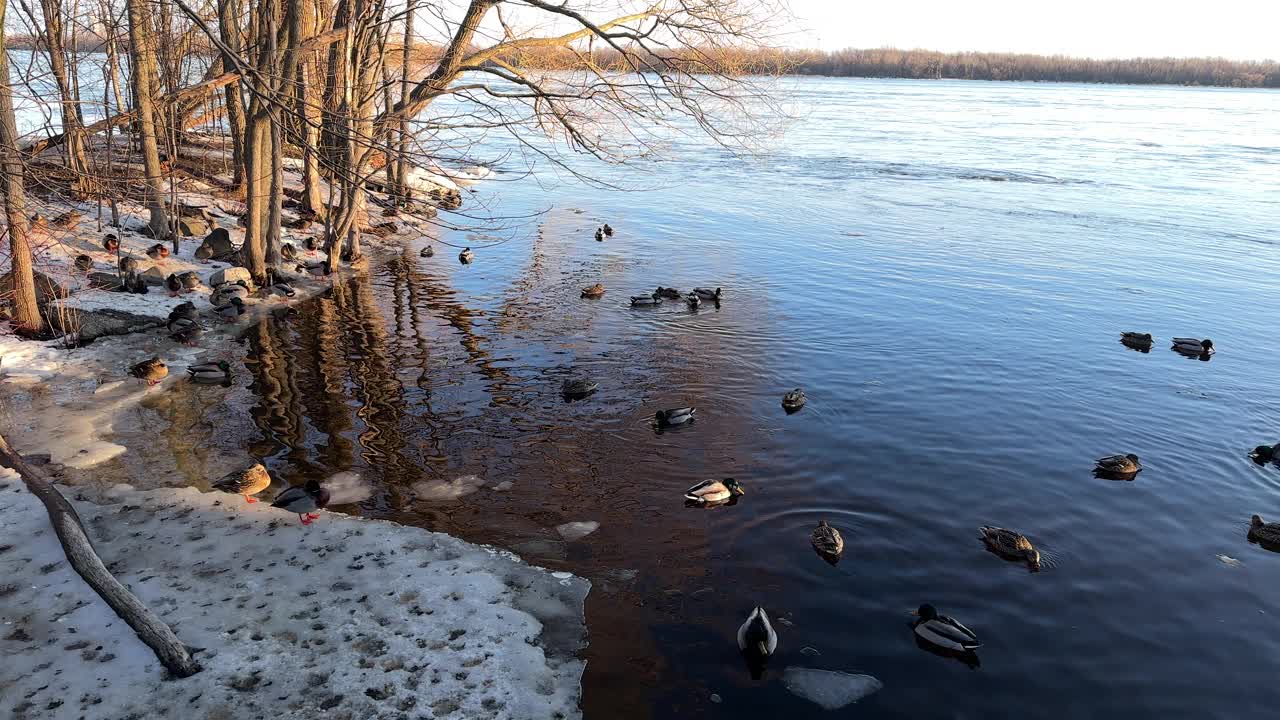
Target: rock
(104, 281)
(230, 275)
(46, 287)
(193, 226)
(219, 240)
(93, 324)
(154, 276)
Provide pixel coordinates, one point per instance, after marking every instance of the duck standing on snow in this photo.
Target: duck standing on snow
(943, 631)
(1010, 545)
(757, 640)
(67, 220)
(466, 256)
(288, 252)
(153, 370)
(232, 310)
(1118, 466)
(794, 400)
(827, 542)
(204, 253)
(247, 482)
(128, 265)
(190, 280)
(303, 501)
(1264, 532)
(675, 416)
(184, 310)
(84, 263)
(211, 372)
(222, 294)
(159, 251)
(110, 243)
(713, 492)
(185, 330)
(173, 285)
(1193, 346)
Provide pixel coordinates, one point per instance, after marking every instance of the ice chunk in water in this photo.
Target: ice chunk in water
(577, 530)
(347, 487)
(827, 688)
(447, 489)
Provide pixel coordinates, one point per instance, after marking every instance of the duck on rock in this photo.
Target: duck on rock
(303, 501)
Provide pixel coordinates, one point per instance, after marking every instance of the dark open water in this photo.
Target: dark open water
(945, 268)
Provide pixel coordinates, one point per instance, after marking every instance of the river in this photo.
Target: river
(945, 268)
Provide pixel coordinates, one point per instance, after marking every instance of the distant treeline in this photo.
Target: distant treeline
(888, 62)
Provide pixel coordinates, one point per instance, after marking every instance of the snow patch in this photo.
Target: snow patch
(362, 618)
(829, 689)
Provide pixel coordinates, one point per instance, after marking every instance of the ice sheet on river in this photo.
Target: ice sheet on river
(346, 618)
(827, 688)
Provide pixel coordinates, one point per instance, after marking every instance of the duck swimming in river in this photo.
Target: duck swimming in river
(712, 492)
(646, 300)
(1010, 545)
(675, 416)
(757, 641)
(1193, 346)
(1118, 465)
(943, 631)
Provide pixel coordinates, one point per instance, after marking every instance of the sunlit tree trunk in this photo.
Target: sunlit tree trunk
(229, 33)
(309, 111)
(401, 190)
(144, 62)
(25, 313)
(55, 43)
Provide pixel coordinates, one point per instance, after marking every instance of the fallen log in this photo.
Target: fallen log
(84, 559)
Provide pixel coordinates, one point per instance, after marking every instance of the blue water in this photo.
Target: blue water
(945, 268)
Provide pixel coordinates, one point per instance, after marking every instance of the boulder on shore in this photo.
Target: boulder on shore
(230, 275)
(90, 325)
(219, 240)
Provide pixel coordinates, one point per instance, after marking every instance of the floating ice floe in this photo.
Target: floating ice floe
(442, 490)
(571, 531)
(829, 689)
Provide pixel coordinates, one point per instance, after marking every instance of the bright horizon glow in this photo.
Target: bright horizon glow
(1234, 29)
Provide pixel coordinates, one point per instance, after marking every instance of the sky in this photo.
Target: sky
(1236, 29)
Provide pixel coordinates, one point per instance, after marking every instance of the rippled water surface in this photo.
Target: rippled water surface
(945, 268)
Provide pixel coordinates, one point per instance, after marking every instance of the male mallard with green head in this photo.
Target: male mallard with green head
(210, 372)
(1010, 544)
(153, 370)
(706, 294)
(1193, 346)
(646, 300)
(1264, 454)
(675, 416)
(710, 492)
(247, 482)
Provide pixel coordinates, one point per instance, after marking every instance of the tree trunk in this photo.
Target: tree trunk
(55, 43)
(84, 559)
(401, 189)
(144, 61)
(229, 31)
(25, 313)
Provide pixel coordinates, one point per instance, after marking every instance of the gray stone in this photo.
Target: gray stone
(230, 275)
(154, 276)
(193, 226)
(93, 324)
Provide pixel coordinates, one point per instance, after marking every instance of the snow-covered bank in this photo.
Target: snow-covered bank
(346, 618)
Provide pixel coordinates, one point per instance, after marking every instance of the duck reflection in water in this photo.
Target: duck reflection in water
(968, 657)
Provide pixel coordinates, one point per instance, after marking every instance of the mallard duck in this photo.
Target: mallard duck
(67, 220)
(693, 301)
(110, 243)
(37, 221)
(794, 400)
(466, 256)
(713, 491)
(303, 501)
(1118, 464)
(1266, 453)
(1264, 532)
(232, 310)
(706, 294)
(578, 388)
(311, 244)
(173, 284)
(1193, 346)
(646, 300)
(427, 251)
(250, 481)
(185, 330)
(756, 637)
(128, 265)
(211, 372)
(675, 416)
(288, 252)
(190, 280)
(153, 370)
(827, 541)
(281, 289)
(318, 268)
(222, 294)
(667, 293)
(599, 234)
(204, 253)
(594, 291)
(186, 310)
(136, 284)
(1010, 544)
(607, 230)
(84, 263)
(943, 631)
(1133, 338)
(159, 251)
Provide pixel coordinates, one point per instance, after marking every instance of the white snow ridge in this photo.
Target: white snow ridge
(347, 618)
(827, 688)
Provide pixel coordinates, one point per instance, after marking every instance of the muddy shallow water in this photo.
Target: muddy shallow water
(945, 268)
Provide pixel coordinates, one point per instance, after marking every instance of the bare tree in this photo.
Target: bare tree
(26, 314)
(143, 76)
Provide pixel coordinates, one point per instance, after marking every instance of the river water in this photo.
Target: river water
(945, 268)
